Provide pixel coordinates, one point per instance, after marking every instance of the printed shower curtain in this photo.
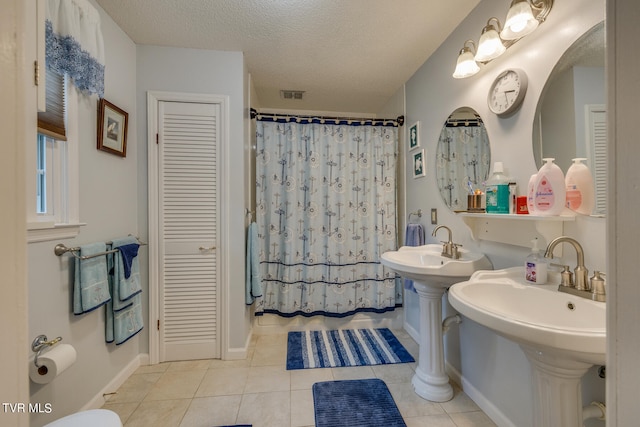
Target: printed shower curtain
(326, 211)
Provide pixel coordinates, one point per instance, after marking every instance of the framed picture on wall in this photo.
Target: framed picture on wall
(112, 128)
(414, 136)
(419, 164)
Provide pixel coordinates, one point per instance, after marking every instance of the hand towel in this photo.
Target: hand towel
(124, 312)
(414, 237)
(91, 284)
(253, 288)
(124, 324)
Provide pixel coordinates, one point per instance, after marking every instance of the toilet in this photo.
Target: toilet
(92, 417)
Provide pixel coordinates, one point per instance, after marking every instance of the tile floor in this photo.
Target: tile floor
(260, 391)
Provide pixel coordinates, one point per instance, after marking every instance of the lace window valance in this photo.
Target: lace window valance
(74, 43)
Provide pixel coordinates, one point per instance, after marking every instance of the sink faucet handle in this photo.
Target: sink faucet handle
(454, 250)
(598, 286)
(566, 276)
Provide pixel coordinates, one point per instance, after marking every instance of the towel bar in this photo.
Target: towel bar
(417, 213)
(60, 249)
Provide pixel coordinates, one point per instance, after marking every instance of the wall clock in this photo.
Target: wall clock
(507, 92)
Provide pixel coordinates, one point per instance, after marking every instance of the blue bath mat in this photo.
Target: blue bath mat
(344, 347)
(355, 403)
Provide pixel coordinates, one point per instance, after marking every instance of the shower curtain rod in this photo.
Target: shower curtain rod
(464, 122)
(278, 117)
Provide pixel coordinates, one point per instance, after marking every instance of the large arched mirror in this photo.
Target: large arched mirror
(463, 157)
(570, 120)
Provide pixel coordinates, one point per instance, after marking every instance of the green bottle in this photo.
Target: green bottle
(497, 191)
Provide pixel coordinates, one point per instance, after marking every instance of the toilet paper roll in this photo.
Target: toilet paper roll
(52, 363)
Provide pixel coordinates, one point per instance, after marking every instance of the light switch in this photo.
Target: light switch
(434, 216)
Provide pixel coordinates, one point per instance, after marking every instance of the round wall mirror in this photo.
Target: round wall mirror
(463, 157)
(570, 120)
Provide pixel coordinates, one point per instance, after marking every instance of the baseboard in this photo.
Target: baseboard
(239, 353)
(411, 331)
(489, 408)
(453, 373)
(98, 400)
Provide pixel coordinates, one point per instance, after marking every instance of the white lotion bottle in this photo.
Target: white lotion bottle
(535, 266)
(579, 187)
(550, 190)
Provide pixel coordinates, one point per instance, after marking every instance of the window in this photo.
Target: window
(53, 206)
(42, 192)
(52, 175)
(51, 169)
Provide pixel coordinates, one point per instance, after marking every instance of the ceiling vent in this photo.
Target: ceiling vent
(291, 94)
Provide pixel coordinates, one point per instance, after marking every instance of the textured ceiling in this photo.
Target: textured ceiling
(347, 55)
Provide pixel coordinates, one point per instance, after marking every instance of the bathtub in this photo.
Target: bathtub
(274, 324)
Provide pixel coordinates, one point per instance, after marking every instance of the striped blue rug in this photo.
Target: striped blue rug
(344, 347)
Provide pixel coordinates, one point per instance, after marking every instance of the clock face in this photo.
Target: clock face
(507, 92)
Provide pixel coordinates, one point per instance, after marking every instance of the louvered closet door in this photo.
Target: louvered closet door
(189, 138)
(597, 151)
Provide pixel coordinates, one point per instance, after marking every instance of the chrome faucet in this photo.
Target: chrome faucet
(449, 249)
(582, 286)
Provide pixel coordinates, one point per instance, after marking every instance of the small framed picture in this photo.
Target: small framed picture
(112, 128)
(414, 136)
(419, 164)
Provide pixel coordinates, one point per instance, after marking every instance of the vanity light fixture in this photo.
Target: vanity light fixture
(523, 17)
(520, 21)
(466, 65)
(490, 45)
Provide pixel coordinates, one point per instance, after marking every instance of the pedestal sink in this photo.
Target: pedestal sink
(562, 335)
(432, 274)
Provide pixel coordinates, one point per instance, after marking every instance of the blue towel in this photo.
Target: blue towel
(91, 285)
(252, 263)
(124, 312)
(414, 237)
(128, 252)
(125, 261)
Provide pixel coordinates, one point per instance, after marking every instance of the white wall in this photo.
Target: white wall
(495, 371)
(208, 72)
(109, 207)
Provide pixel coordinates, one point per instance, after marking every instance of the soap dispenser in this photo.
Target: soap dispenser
(535, 266)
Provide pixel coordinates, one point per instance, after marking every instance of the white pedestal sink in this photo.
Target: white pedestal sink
(432, 274)
(562, 335)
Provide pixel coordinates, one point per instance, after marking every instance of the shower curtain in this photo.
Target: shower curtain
(326, 211)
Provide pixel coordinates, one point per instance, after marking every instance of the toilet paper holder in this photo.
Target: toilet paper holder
(40, 343)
